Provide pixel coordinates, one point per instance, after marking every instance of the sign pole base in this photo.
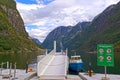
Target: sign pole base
(105, 78)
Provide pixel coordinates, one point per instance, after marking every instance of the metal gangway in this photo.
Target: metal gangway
(53, 66)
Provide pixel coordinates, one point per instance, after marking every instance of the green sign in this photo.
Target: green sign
(105, 55)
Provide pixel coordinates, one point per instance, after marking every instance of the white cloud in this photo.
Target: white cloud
(59, 13)
(38, 33)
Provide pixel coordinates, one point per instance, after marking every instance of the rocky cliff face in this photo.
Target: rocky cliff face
(14, 40)
(12, 29)
(14, 19)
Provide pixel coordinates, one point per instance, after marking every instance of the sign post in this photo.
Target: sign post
(105, 56)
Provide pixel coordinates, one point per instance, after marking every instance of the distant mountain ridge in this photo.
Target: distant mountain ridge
(36, 41)
(104, 29)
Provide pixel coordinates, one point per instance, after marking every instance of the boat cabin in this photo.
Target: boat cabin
(75, 58)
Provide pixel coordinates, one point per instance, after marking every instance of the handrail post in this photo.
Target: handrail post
(46, 51)
(55, 46)
(7, 64)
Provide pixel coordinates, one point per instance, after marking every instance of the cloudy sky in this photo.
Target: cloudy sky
(42, 16)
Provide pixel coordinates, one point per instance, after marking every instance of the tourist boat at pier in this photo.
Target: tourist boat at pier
(76, 63)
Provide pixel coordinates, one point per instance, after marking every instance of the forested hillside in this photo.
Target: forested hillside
(104, 29)
(15, 44)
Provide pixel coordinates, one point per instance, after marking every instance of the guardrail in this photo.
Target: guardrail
(66, 64)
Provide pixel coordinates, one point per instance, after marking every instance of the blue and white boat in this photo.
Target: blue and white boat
(76, 63)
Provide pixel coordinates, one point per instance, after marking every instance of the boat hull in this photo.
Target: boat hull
(76, 66)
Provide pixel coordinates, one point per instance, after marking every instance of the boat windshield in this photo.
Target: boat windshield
(75, 58)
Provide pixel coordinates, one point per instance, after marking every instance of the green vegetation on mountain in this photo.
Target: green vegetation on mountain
(104, 29)
(15, 44)
(8, 3)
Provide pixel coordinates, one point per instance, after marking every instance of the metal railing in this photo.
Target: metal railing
(66, 64)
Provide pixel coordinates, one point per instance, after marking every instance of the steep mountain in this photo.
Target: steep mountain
(57, 34)
(63, 34)
(14, 40)
(104, 29)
